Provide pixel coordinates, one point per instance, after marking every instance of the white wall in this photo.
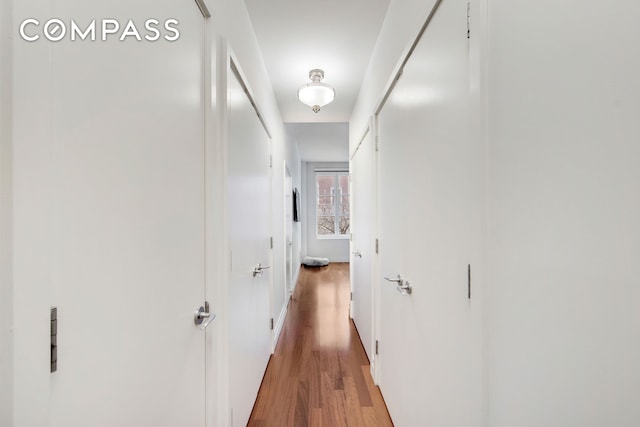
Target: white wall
(564, 203)
(430, 171)
(399, 29)
(295, 168)
(561, 232)
(321, 142)
(33, 123)
(6, 283)
(288, 152)
(234, 27)
(337, 250)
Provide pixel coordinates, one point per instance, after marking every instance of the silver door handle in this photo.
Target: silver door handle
(403, 286)
(357, 253)
(257, 270)
(201, 315)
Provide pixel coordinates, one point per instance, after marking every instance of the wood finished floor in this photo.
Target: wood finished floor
(319, 373)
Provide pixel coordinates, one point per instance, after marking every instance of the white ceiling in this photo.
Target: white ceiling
(336, 36)
(320, 142)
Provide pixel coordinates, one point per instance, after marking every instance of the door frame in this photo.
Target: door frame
(370, 131)
(214, 219)
(288, 192)
(228, 67)
(375, 274)
(373, 124)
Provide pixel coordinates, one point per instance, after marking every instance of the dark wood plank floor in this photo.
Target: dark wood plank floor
(319, 373)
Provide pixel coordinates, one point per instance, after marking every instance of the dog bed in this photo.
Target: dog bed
(315, 262)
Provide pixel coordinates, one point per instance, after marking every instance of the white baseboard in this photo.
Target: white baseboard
(279, 324)
(372, 370)
(295, 278)
(283, 313)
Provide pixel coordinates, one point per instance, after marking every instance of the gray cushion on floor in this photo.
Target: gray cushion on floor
(315, 261)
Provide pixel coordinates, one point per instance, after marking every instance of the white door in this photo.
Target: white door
(248, 194)
(363, 243)
(288, 225)
(127, 221)
(429, 370)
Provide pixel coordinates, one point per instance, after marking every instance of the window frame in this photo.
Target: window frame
(337, 203)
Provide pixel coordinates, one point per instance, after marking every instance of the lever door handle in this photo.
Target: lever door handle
(201, 315)
(357, 253)
(403, 286)
(257, 270)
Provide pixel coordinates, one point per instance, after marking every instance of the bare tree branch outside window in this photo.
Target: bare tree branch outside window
(332, 204)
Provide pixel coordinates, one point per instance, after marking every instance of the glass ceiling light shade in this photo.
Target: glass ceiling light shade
(316, 94)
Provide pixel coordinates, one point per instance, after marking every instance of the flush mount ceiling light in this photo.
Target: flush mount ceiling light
(316, 94)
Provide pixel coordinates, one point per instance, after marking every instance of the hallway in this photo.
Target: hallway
(471, 176)
(319, 373)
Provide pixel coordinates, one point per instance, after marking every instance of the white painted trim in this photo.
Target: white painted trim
(212, 217)
(294, 280)
(304, 204)
(360, 141)
(397, 73)
(203, 8)
(287, 175)
(332, 237)
(376, 279)
(222, 304)
(352, 247)
(272, 246)
(244, 82)
(397, 70)
(278, 326)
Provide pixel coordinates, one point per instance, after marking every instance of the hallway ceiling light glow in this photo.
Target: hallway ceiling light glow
(316, 94)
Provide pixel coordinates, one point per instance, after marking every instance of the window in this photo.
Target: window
(332, 204)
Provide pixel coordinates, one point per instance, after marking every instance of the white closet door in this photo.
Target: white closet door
(429, 348)
(248, 195)
(363, 244)
(127, 222)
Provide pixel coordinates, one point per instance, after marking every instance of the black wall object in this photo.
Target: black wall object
(296, 205)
